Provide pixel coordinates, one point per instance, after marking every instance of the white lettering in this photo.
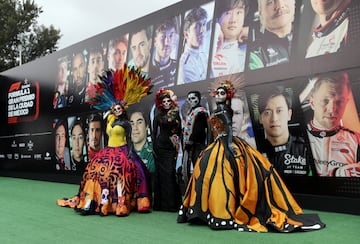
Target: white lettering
(291, 159)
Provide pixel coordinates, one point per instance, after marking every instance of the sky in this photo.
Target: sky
(81, 19)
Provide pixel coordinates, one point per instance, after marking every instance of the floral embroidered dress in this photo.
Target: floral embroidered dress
(116, 180)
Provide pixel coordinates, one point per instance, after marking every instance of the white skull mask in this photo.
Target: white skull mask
(220, 95)
(193, 100)
(167, 103)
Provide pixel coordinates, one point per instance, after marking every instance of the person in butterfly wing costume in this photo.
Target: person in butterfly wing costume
(234, 186)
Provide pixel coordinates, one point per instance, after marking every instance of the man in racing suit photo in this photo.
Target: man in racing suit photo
(338, 28)
(194, 59)
(272, 44)
(335, 149)
(288, 153)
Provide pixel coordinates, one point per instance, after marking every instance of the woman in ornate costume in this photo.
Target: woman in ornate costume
(116, 180)
(234, 186)
(166, 137)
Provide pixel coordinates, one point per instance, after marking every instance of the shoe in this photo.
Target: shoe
(104, 209)
(143, 204)
(68, 202)
(121, 208)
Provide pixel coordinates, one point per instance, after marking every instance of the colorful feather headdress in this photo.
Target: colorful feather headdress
(124, 86)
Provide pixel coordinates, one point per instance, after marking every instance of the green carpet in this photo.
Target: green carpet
(29, 215)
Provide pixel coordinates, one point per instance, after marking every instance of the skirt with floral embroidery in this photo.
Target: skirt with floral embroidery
(113, 182)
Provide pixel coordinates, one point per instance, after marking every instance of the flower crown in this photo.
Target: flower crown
(228, 87)
(161, 94)
(232, 84)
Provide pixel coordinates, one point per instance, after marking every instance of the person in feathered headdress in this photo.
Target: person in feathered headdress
(166, 135)
(116, 180)
(234, 186)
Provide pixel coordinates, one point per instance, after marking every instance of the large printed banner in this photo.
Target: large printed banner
(299, 105)
(23, 101)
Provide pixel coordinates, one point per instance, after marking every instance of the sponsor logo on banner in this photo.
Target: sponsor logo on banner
(25, 156)
(30, 145)
(47, 156)
(38, 156)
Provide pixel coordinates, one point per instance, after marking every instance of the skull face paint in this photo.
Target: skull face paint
(118, 110)
(193, 100)
(167, 103)
(220, 96)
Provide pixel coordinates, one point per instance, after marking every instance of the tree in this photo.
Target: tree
(21, 35)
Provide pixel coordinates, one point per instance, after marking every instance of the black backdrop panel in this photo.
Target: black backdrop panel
(28, 148)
